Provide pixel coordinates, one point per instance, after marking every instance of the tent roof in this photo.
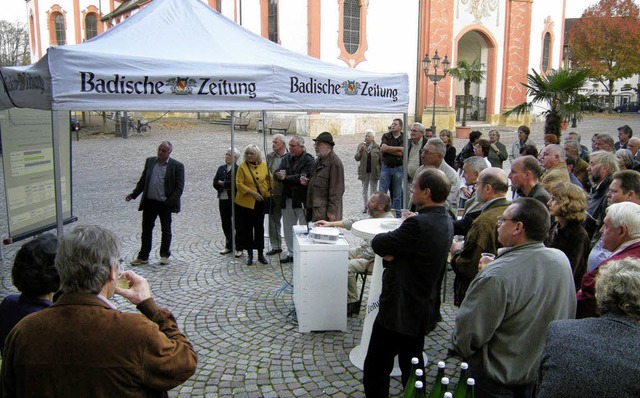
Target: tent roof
(183, 55)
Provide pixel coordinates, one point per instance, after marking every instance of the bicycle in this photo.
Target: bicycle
(140, 126)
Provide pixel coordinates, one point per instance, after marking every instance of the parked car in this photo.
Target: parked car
(628, 107)
(75, 124)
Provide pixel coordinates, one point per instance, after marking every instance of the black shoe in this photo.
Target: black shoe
(274, 251)
(353, 309)
(288, 259)
(262, 259)
(250, 260)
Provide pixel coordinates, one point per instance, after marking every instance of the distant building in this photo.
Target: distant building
(508, 37)
(623, 90)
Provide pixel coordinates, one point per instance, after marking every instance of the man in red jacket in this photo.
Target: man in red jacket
(621, 235)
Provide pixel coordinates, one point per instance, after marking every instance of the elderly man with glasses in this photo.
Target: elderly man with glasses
(491, 189)
(500, 327)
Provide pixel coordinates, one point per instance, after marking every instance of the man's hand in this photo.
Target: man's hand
(138, 290)
(383, 148)
(331, 216)
(128, 198)
(388, 258)
(322, 223)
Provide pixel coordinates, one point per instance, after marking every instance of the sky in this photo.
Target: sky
(15, 10)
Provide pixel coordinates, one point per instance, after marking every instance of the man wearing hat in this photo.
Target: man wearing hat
(326, 184)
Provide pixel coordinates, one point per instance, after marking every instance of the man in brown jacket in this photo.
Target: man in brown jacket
(326, 185)
(82, 346)
(491, 189)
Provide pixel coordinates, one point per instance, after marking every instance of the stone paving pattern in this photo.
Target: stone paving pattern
(236, 316)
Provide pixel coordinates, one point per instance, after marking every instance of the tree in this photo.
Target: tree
(467, 73)
(14, 44)
(606, 41)
(558, 92)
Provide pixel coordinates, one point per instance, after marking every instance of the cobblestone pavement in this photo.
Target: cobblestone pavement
(237, 316)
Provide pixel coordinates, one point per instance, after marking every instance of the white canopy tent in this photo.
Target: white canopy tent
(182, 55)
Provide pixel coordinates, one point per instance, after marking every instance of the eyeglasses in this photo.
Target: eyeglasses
(502, 220)
(415, 131)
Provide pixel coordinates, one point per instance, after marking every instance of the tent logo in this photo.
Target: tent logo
(182, 85)
(351, 87)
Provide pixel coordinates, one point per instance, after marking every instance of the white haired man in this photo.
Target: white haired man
(621, 236)
(82, 346)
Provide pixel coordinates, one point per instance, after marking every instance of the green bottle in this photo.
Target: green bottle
(461, 387)
(445, 385)
(419, 390)
(471, 388)
(436, 390)
(410, 386)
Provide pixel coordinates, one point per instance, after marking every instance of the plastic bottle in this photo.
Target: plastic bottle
(461, 387)
(436, 390)
(409, 388)
(448, 395)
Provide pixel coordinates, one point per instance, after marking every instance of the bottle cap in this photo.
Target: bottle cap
(464, 365)
(441, 364)
(445, 380)
(418, 384)
(419, 372)
(471, 381)
(414, 361)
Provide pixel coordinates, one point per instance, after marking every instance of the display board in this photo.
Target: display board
(28, 170)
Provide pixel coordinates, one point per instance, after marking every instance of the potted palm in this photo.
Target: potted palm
(558, 92)
(467, 72)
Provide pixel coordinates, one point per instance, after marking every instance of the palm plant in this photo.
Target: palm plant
(558, 91)
(467, 72)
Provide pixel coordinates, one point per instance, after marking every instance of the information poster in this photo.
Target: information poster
(28, 169)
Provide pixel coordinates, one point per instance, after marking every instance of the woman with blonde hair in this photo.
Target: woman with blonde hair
(450, 155)
(253, 183)
(568, 204)
(370, 162)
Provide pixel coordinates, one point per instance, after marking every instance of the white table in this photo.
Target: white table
(367, 229)
(320, 284)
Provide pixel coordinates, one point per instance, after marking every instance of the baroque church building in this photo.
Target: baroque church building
(508, 37)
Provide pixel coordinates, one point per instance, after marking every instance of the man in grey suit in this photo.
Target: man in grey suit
(597, 357)
(161, 185)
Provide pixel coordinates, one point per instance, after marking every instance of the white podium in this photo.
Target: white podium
(367, 229)
(320, 284)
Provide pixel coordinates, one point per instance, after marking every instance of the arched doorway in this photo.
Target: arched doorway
(473, 45)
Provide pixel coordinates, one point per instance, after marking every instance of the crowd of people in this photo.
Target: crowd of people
(556, 238)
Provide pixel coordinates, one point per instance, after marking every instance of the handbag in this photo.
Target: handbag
(267, 199)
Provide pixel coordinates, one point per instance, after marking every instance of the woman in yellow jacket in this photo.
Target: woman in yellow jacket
(253, 183)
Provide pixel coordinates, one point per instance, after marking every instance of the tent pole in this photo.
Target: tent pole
(233, 189)
(405, 160)
(264, 130)
(55, 139)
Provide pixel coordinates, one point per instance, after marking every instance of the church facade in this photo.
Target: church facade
(508, 37)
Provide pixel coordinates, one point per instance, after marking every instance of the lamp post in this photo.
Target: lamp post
(435, 78)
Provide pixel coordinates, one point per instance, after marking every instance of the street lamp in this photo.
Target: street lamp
(435, 78)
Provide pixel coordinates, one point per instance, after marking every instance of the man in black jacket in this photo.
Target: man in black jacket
(161, 185)
(294, 195)
(414, 257)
